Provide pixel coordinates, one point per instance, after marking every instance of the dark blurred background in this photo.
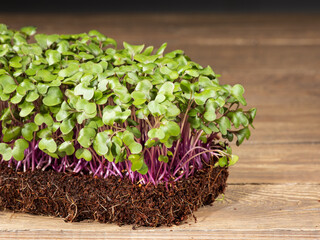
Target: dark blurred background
(244, 6)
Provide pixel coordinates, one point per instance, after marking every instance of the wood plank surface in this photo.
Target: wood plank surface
(176, 25)
(274, 190)
(259, 211)
(279, 163)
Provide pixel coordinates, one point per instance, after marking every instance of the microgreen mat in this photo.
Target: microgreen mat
(78, 103)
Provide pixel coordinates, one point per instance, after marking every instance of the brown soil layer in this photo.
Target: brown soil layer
(77, 197)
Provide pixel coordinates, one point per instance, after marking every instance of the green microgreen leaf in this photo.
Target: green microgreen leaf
(8, 84)
(128, 139)
(237, 92)
(223, 161)
(28, 130)
(86, 136)
(161, 49)
(15, 62)
(70, 70)
(18, 150)
(114, 113)
(45, 75)
(53, 56)
(41, 118)
(48, 144)
(238, 118)
(224, 124)
(210, 114)
(30, 30)
(136, 162)
(100, 143)
(163, 158)
(11, 133)
(144, 169)
(64, 112)
(67, 147)
(156, 109)
(32, 96)
(233, 160)
(67, 125)
(54, 97)
(26, 109)
(133, 49)
(85, 154)
(242, 134)
(156, 133)
(5, 151)
(84, 90)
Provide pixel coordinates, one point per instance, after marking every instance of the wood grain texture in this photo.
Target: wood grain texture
(278, 163)
(263, 211)
(274, 190)
(176, 25)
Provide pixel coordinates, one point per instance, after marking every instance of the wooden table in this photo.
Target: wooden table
(274, 190)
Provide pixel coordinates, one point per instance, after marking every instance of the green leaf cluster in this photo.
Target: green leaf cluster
(81, 90)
